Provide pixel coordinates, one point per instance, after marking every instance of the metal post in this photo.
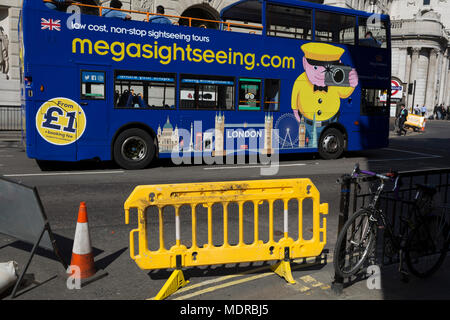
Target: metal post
(414, 96)
(345, 181)
(33, 251)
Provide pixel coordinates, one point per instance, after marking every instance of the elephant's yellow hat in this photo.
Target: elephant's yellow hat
(322, 51)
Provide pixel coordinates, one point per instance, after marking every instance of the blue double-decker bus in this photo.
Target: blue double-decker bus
(273, 76)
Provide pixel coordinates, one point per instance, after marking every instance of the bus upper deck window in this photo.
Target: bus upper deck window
(372, 32)
(333, 27)
(289, 22)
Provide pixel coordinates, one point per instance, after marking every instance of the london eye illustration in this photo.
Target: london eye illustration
(286, 132)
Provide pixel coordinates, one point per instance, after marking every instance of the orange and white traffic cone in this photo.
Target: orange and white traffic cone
(82, 255)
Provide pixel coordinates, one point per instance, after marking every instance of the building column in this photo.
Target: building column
(413, 72)
(447, 93)
(430, 95)
(402, 57)
(444, 79)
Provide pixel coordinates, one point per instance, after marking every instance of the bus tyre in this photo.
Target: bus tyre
(331, 144)
(134, 149)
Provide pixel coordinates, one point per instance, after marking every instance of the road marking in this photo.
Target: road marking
(303, 288)
(60, 173)
(232, 283)
(256, 166)
(413, 152)
(225, 285)
(402, 159)
(311, 281)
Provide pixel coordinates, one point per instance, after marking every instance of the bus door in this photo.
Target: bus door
(95, 103)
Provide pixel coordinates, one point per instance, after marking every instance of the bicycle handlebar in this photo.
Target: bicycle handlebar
(388, 177)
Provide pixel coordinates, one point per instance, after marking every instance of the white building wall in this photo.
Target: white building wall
(9, 83)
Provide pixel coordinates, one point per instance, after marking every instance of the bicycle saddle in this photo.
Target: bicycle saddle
(427, 189)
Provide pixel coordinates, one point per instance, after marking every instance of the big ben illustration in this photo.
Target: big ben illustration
(219, 135)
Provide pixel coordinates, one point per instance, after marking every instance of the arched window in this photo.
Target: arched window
(201, 11)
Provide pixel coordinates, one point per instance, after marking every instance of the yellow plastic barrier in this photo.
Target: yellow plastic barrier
(416, 122)
(224, 193)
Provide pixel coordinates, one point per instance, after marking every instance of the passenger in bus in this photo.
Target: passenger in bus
(370, 41)
(110, 13)
(130, 99)
(116, 97)
(159, 19)
(140, 101)
(56, 5)
(123, 99)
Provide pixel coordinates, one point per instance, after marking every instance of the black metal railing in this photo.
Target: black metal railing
(358, 192)
(10, 118)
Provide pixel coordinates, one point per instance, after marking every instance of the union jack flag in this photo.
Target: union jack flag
(50, 24)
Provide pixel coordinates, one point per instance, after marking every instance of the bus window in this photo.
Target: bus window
(206, 92)
(92, 85)
(374, 100)
(144, 90)
(372, 32)
(271, 95)
(249, 94)
(333, 27)
(288, 22)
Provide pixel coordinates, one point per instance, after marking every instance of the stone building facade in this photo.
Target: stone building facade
(420, 40)
(9, 61)
(420, 50)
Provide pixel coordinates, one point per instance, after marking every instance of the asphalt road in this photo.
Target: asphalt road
(104, 188)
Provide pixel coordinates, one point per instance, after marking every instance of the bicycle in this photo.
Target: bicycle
(428, 236)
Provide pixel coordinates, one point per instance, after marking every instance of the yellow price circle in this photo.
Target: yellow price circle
(60, 121)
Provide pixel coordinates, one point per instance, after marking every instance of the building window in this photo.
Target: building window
(144, 90)
(250, 94)
(206, 92)
(288, 22)
(333, 27)
(271, 95)
(92, 85)
(426, 2)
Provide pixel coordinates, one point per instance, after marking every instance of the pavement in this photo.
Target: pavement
(105, 187)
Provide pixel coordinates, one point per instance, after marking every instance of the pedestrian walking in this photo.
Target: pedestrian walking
(435, 111)
(403, 114)
(424, 110)
(444, 112)
(417, 109)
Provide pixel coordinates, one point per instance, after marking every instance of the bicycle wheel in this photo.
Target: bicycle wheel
(354, 243)
(427, 246)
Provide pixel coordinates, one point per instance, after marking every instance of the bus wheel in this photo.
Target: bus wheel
(331, 144)
(134, 149)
